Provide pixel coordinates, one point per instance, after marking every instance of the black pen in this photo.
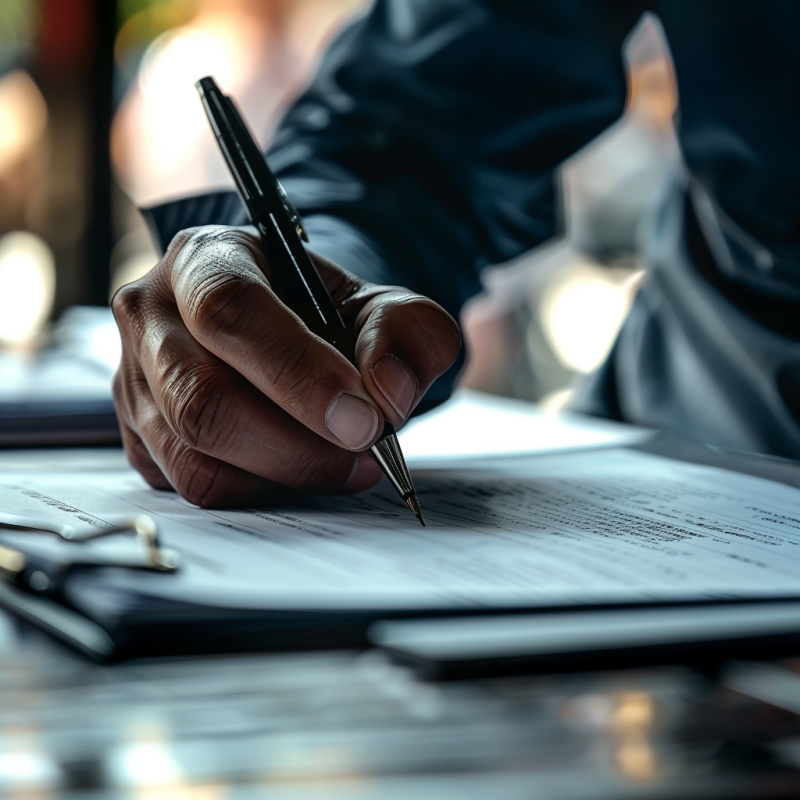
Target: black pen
(293, 276)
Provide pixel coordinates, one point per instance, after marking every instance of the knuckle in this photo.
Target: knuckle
(314, 470)
(117, 391)
(287, 368)
(194, 405)
(215, 271)
(127, 302)
(218, 303)
(179, 241)
(197, 242)
(137, 304)
(194, 477)
(205, 235)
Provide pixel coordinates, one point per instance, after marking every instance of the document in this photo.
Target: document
(61, 394)
(503, 426)
(613, 525)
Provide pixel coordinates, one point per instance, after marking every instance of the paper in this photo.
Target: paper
(78, 366)
(61, 394)
(572, 528)
(558, 633)
(475, 424)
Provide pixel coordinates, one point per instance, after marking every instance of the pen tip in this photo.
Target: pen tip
(413, 504)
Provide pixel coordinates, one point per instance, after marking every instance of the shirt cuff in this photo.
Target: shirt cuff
(169, 219)
(334, 238)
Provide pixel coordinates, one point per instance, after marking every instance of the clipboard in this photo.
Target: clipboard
(48, 584)
(32, 577)
(110, 619)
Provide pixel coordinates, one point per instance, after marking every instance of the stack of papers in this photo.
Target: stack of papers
(62, 393)
(506, 529)
(474, 425)
(576, 528)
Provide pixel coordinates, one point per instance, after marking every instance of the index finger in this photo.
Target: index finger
(224, 299)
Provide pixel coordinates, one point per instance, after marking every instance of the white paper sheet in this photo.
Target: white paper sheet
(79, 364)
(535, 531)
(475, 424)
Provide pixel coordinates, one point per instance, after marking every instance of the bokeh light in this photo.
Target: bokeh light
(27, 286)
(161, 144)
(582, 309)
(23, 116)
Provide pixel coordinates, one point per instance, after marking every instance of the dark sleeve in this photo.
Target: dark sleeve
(425, 147)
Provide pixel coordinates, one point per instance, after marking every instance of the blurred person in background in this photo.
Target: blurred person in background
(425, 150)
(261, 51)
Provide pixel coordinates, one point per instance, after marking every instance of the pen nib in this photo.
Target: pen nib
(413, 504)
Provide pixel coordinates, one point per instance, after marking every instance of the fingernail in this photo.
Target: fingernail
(398, 384)
(353, 421)
(364, 475)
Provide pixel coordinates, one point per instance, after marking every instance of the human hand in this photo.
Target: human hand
(225, 396)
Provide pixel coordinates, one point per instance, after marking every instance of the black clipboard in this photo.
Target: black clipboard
(110, 622)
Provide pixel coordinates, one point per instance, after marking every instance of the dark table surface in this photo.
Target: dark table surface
(345, 724)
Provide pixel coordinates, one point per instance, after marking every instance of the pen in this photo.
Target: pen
(293, 276)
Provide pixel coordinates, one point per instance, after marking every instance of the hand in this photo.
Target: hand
(225, 396)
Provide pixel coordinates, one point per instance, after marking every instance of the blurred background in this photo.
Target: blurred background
(98, 115)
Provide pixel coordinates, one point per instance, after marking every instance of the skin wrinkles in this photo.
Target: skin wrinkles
(285, 373)
(386, 314)
(235, 484)
(141, 459)
(239, 487)
(294, 377)
(192, 400)
(216, 304)
(194, 475)
(222, 392)
(140, 454)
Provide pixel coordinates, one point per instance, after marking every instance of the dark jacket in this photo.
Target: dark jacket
(426, 146)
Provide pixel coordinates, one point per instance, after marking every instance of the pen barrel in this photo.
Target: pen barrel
(292, 274)
(299, 285)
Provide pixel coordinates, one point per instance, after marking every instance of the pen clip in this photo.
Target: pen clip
(293, 213)
(250, 187)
